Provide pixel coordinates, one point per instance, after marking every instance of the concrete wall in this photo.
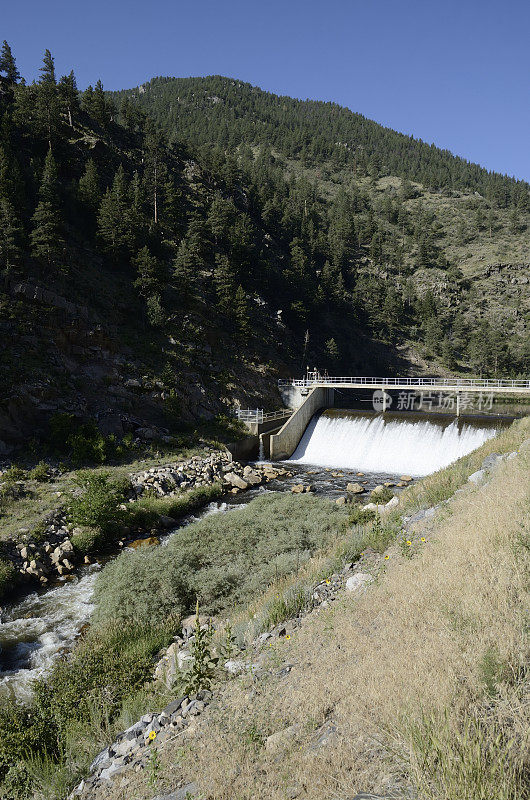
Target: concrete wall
(293, 396)
(284, 443)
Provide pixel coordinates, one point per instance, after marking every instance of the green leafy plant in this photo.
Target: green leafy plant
(97, 504)
(201, 672)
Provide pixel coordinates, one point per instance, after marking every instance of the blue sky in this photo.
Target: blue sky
(453, 73)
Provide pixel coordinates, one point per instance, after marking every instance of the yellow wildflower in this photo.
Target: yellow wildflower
(423, 539)
(287, 637)
(328, 581)
(409, 542)
(152, 736)
(386, 558)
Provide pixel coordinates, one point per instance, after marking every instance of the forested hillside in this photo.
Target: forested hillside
(172, 250)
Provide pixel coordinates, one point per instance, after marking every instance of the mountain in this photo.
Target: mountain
(169, 251)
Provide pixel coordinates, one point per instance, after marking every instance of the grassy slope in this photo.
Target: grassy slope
(421, 676)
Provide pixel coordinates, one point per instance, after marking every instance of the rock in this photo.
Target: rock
(355, 488)
(167, 522)
(298, 488)
(389, 484)
(406, 478)
(236, 667)
(188, 624)
(149, 541)
(99, 759)
(114, 769)
(491, 461)
(358, 581)
(477, 477)
(184, 657)
(281, 740)
(174, 706)
(341, 501)
(188, 791)
(391, 503)
(236, 481)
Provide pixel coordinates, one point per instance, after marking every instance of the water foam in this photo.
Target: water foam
(377, 443)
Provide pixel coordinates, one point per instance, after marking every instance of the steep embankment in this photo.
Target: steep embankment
(412, 681)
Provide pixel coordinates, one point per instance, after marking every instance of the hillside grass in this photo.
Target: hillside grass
(421, 680)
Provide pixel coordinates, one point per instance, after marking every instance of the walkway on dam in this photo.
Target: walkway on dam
(489, 385)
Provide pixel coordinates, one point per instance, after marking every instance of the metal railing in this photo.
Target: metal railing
(258, 415)
(475, 383)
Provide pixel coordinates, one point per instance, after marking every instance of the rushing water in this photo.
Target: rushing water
(389, 443)
(337, 447)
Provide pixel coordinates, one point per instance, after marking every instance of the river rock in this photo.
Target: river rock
(236, 480)
(355, 488)
(298, 488)
(406, 478)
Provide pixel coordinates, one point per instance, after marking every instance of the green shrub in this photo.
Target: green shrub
(222, 559)
(40, 472)
(8, 576)
(381, 496)
(357, 515)
(13, 474)
(83, 700)
(146, 512)
(87, 540)
(97, 505)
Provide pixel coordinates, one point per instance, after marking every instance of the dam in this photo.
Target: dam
(389, 443)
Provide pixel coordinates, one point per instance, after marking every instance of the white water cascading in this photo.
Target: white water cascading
(374, 443)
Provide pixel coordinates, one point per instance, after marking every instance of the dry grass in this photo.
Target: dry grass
(420, 676)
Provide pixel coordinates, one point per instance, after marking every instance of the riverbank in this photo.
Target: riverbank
(87, 514)
(127, 657)
(402, 676)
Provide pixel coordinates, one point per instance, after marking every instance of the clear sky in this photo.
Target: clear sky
(453, 73)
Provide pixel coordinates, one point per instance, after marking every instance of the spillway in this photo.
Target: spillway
(389, 444)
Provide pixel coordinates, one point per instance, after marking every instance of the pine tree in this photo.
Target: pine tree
(185, 270)
(241, 312)
(149, 272)
(69, 96)
(8, 65)
(113, 228)
(224, 285)
(10, 237)
(89, 189)
(332, 353)
(48, 99)
(100, 108)
(155, 171)
(47, 243)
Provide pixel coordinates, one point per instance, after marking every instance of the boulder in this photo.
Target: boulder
(281, 740)
(355, 488)
(236, 481)
(358, 581)
(341, 501)
(406, 478)
(298, 488)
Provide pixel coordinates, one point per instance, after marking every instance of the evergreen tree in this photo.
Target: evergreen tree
(332, 353)
(10, 237)
(89, 191)
(48, 99)
(149, 273)
(99, 106)
(113, 228)
(155, 171)
(69, 96)
(47, 242)
(224, 285)
(241, 312)
(8, 65)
